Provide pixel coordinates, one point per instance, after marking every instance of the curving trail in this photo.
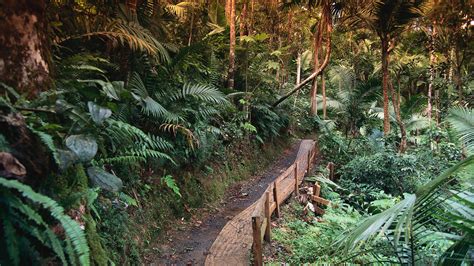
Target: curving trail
(223, 236)
(232, 245)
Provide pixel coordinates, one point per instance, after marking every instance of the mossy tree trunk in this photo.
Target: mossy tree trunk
(24, 53)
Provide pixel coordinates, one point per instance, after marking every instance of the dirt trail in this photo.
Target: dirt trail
(190, 246)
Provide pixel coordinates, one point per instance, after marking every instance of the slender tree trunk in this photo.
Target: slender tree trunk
(432, 73)
(252, 7)
(385, 81)
(231, 72)
(191, 26)
(228, 4)
(243, 20)
(398, 117)
(314, 74)
(323, 90)
(314, 89)
(24, 52)
(437, 111)
(298, 74)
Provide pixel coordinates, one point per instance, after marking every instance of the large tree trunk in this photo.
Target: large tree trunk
(385, 80)
(24, 52)
(231, 72)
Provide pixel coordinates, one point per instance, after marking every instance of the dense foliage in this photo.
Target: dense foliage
(117, 117)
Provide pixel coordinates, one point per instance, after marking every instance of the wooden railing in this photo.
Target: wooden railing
(276, 193)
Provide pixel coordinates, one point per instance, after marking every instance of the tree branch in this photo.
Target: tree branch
(312, 76)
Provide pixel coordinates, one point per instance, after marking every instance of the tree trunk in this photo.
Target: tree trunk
(323, 90)
(231, 72)
(432, 73)
(228, 4)
(191, 26)
(385, 80)
(243, 18)
(298, 75)
(398, 117)
(298, 69)
(315, 74)
(314, 89)
(24, 52)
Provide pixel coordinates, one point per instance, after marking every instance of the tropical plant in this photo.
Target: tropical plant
(31, 228)
(388, 19)
(446, 200)
(462, 120)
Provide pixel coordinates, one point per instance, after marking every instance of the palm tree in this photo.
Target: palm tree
(388, 18)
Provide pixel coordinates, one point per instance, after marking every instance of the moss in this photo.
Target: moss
(69, 188)
(98, 255)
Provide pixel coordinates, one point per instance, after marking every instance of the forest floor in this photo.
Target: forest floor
(188, 243)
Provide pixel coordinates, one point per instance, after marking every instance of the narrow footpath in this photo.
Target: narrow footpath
(191, 246)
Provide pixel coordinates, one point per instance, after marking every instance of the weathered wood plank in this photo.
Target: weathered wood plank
(276, 199)
(257, 241)
(268, 215)
(320, 200)
(316, 189)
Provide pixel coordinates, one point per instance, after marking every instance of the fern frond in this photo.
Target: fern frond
(71, 228)
(180, 10)
(134, 36)
(148, 105)
(172, 128)
(201, 92)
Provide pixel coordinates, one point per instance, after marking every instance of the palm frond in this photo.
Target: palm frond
(405, 224)
(462, 120)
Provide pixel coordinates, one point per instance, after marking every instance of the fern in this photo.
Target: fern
(15, 208)
(148, 104)
(133, 145)
(169, 181)
(134, 36)
(201, 92)
(48, 142)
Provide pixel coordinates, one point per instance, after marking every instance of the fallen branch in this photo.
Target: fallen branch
(312, 76)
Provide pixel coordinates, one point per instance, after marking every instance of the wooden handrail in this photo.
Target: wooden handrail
(261, 216)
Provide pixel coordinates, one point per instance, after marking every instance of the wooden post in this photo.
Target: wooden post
(309, 161)
(268, 216)
(257, 242)
(316, 189)
(331, 170)
(276, 199)
(296, 179)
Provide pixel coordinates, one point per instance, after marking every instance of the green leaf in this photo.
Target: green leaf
(169, 181)
(98, 113)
